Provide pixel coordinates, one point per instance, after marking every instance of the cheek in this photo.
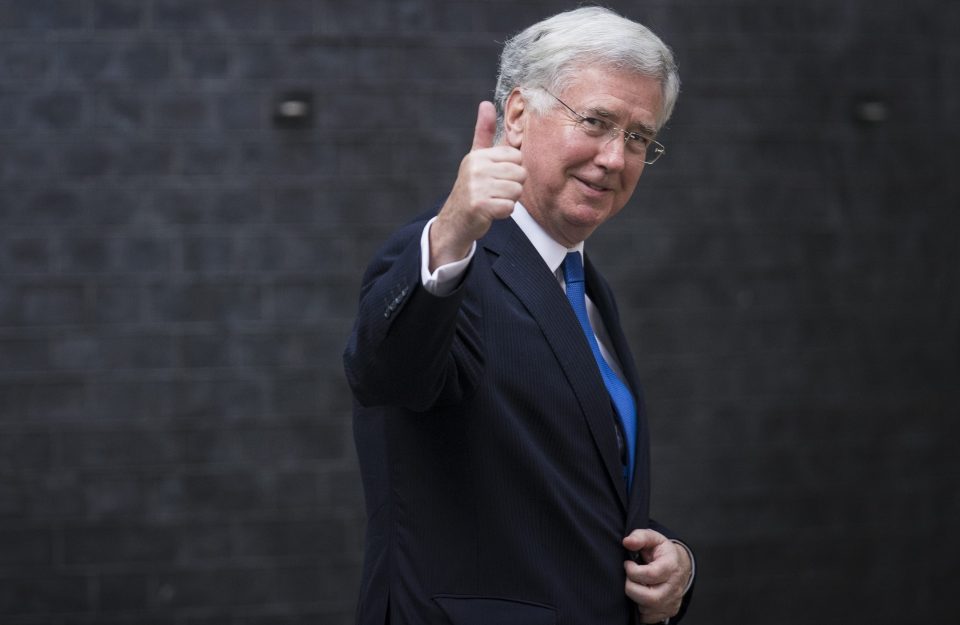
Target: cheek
(548, 165)
(552, 152)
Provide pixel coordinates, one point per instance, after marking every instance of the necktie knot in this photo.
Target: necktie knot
(572, 268)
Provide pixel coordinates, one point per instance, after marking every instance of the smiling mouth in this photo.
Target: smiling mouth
(593, 186)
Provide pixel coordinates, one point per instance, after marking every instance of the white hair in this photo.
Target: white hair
(549, 54)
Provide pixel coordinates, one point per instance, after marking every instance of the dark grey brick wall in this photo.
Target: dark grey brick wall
(178, 276)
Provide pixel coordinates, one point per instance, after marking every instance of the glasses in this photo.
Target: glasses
(641, 146)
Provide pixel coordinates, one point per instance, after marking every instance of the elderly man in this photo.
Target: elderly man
(499, 421)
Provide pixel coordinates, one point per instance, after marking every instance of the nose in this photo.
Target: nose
(610, 153)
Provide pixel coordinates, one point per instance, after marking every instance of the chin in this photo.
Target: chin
(588, 216)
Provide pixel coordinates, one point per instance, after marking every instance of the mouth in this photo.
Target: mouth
(592, 186)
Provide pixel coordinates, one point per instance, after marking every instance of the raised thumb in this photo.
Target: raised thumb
(486, 127)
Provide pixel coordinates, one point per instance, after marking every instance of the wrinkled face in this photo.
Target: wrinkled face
(576, 182)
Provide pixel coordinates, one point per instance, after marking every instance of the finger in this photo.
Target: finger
(498, 163)
(646, 599)
(486, 127)
(504, 154)
(646, 574)
(505, 190)
(643, 539)
(507, 171)
(654, 604)
(499, 208)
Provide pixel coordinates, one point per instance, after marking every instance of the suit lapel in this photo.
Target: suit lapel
(522, 270)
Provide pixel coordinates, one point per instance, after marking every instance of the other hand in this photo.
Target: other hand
(656, 581)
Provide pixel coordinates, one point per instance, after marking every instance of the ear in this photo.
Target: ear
(515, 117)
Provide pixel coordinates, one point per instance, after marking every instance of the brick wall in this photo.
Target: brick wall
(178, 275)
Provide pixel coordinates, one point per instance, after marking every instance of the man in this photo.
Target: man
(499, 421)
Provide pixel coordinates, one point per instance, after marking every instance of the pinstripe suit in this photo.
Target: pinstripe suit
(487, 444)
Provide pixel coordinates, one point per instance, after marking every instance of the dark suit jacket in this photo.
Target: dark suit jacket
(487, 445)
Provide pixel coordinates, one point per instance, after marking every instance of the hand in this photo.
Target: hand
(489, 183)
(657, 580)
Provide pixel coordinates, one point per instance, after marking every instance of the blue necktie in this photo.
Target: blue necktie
(619, 392)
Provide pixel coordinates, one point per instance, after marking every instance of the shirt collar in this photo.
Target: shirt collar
(552, 252)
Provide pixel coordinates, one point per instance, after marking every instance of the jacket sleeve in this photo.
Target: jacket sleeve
(409, 348)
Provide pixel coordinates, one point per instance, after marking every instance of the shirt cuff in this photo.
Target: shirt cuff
(446, 278)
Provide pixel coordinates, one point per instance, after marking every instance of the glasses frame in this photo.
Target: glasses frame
(658, 149)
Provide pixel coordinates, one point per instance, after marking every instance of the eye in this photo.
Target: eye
(638, 139)
(594, 125)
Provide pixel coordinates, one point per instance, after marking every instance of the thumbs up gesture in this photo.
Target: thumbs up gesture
(489, 183)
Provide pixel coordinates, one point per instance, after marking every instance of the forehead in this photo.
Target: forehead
(625, 96)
